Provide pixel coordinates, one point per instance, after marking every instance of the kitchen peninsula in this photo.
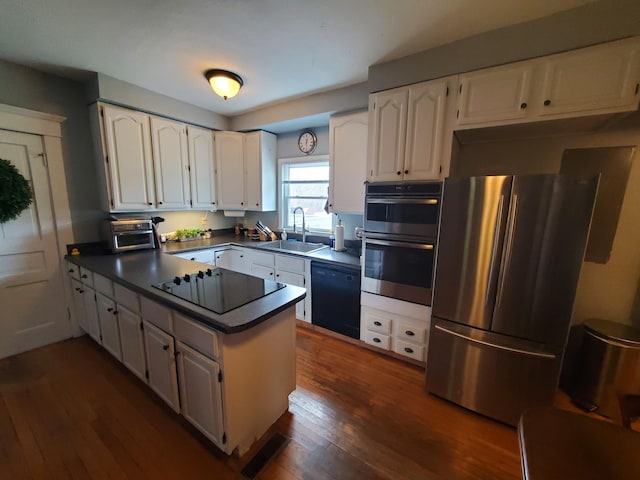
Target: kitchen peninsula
(227, 374)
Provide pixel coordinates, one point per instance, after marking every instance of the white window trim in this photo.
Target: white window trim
(305, 159)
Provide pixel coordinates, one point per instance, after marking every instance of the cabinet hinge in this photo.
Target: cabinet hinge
(189, 167)
(100, 337)
(220, 377)
(68, 313)
(637, 87)
(106, 158)
(146, 374)
(460, 89)
(440, 168)
(102, 112)
(44, 158)
(191, 202)
(304, 281)
(95, 297)
(447, 92)
(224, 437)
(141, 327)
(458, 114)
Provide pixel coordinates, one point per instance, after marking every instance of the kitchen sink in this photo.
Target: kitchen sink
(301, 247)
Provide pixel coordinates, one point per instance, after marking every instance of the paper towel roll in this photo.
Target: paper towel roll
(339, 245)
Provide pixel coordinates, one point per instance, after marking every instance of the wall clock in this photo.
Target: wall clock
(307, 142)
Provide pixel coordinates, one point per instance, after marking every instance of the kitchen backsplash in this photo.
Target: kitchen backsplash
(186, 220)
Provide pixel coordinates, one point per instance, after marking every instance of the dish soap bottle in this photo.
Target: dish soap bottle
(332, 239)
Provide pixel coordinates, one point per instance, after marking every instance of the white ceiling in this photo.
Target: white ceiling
(282, 48)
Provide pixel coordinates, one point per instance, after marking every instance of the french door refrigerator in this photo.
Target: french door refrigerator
(510, 251)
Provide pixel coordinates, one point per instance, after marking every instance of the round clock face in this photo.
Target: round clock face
(307, 142)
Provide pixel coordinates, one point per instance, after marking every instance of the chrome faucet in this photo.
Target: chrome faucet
(304, 229)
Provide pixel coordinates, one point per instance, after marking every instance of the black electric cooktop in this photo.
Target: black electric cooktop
(219, 290)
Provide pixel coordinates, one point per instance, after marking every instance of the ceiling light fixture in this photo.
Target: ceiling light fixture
(224, 83)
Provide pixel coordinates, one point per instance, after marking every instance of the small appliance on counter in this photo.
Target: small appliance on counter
(129, 234)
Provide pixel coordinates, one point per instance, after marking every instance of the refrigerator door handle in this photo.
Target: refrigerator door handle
(513, 212)
(388, 243)
(549, 356)
(496, 236)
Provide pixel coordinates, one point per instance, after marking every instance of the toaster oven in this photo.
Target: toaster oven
(130, 234)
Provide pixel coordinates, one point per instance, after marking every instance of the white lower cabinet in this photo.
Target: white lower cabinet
(91, 315)
(201, 393)
(107, 315)
(131, 341)
(395, 325)
(161, 364)
(77, 295)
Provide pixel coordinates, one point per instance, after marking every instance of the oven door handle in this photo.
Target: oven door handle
(389, 243)
(132, 232)
(406, 201)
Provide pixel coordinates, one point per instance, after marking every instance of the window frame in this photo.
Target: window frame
(300, 160)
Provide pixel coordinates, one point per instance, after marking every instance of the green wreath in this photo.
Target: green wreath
(15, 192)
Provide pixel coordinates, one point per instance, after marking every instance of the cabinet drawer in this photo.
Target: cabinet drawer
(86, 276)
(412, 333)
(73, 270)
(261, 258)
(103, 285)
(377, 339)
(410, 349)
(290, 264)
(262, 271)
(196, 336)
(126, 297)
(157, 314)
(375, 322)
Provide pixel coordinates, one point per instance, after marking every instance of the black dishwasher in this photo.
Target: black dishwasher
(335, 298)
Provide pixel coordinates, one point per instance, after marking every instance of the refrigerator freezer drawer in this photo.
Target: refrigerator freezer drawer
(489, 373)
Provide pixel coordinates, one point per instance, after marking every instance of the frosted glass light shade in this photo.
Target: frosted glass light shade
(224, 83)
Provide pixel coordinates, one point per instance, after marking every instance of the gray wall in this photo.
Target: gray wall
(593, 23)
(34, 90)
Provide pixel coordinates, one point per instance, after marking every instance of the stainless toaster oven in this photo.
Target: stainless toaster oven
(130, 234)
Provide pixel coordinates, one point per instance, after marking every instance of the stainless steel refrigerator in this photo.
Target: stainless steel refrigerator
(510, 250)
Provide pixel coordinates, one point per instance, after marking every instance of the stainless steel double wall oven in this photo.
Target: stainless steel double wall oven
(399, 245)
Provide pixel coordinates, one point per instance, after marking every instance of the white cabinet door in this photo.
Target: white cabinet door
(171, 163)
(131, 340)
(77, 292)
(202, 168)
(240, 260)
(161, 364)
(388, 123)
(260, 170)
(91, 311)
(592, 80)
(425, 125)
(495, 94)
(230, 169)
(296, 279)
(348, 160)
(222, 258)
(201, 393)
(107, 314)
(128, 146)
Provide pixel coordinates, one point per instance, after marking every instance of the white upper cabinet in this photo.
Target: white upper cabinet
(594, 80)
(407, 131)
(425, 125)
(348, 160)
(202, 168)
(171, 164)
(129, 163)
(229, 153)
(387, 127)
(246, 170)
(260, 170)
(495, 94)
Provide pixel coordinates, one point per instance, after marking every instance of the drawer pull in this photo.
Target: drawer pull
(408, 350)
(165, 347)
(71, 270)
(85, 276)
(376, 340)
(377, 323)
(109, 309)
(409, 333)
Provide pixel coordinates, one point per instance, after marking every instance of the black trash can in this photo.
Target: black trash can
(608, 362)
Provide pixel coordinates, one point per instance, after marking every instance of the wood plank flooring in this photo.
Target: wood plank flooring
(70, 410)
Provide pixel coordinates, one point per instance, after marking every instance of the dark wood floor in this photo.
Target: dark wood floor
(70, 411)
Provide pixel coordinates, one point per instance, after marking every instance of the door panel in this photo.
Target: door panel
(473, 221)
(171, 163)
(132, 342)
(107, 314)
(542, 256)
(201, 158)
(160, 354)
(31, 283)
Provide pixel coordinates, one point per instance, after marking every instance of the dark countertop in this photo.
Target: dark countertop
(139, 270)
(350, 257)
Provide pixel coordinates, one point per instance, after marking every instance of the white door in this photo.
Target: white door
(388, 114)
(171, 164)
(425, 125)
(107, 314)
(33, 309)
(161, 362)
(202, 168)
(201, 393)
(130, 325)
(128, 142)
(229, 148)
